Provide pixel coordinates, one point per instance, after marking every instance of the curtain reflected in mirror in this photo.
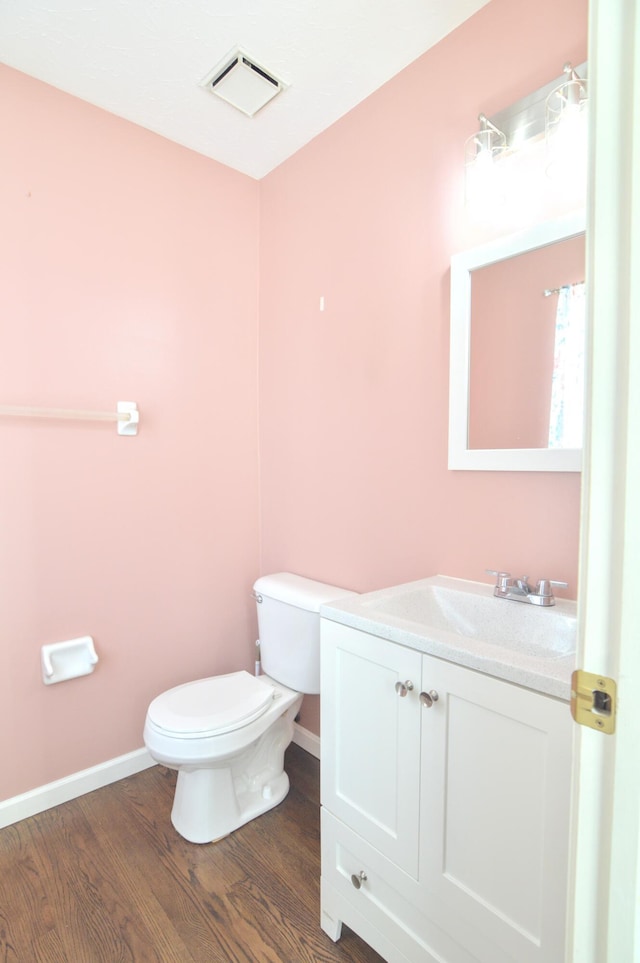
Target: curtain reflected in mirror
(567, 383)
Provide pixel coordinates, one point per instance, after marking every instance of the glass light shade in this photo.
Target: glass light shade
(566, 128)
(482, 150)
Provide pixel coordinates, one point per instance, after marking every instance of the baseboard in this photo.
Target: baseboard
(62, 790)
(79, 783)
(306, 740)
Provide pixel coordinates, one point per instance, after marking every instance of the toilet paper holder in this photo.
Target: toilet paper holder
(68, 660)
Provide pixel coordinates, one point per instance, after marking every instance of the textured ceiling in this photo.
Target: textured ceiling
(144, 60)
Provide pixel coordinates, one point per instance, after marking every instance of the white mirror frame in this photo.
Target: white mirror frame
(462, 265)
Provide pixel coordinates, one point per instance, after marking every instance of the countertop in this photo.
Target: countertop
(532, 665)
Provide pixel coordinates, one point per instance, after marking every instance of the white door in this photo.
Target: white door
(605, 889)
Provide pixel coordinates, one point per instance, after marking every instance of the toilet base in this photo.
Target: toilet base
(212, 802)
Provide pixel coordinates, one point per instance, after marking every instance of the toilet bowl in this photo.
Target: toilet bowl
(227, 735)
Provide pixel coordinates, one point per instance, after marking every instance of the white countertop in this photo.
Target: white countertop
(537, 660)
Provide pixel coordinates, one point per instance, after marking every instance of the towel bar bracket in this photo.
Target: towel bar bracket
(130, 425)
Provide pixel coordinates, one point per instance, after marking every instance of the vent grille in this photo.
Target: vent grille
(243, 83)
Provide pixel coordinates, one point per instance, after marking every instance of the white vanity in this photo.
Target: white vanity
(446, 764)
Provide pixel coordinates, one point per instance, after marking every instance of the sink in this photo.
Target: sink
(463, 622)
(470, 609)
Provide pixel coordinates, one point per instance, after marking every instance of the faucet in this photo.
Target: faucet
(519, 589)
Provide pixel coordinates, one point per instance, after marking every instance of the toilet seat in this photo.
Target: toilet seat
(211, 706)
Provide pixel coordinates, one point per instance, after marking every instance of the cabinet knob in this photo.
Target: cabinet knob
(403, 687)
(359, 879)
(428, 698)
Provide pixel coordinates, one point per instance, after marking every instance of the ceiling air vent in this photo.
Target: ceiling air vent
(243, 83)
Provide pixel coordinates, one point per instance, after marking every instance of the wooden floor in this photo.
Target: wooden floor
(105, 878)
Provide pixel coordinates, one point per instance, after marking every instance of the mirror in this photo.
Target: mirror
(517, 351)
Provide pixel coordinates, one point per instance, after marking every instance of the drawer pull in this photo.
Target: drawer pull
(403, 687)
(359, 879)
(428, 698)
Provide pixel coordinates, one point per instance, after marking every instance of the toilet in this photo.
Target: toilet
(226, 735)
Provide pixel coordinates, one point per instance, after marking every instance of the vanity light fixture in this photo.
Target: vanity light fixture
(555, 113)
(482, 150)
(566, 123)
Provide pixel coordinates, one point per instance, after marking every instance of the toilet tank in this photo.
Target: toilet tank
(289, 627)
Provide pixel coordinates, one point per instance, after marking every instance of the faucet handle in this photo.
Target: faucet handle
(544, 586)
(502, 578)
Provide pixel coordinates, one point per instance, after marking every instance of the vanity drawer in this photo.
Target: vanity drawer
(387, 899)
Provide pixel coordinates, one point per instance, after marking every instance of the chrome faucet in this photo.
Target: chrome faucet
(519, 590)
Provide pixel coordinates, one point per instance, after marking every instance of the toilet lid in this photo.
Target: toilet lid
(211, 706)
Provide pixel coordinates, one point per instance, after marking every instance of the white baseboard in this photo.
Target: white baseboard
(79, 783)
(62, 790)
(306, 740)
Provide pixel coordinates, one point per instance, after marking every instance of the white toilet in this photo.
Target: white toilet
(227, 735)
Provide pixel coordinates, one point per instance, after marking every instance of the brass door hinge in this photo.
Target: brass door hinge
(593, 700)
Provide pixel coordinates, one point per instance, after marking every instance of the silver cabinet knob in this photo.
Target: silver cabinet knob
(359, 879)
(403, 687)
(428, 698)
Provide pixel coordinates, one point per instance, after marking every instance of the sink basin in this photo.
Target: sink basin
(470, 610)
(464, 623)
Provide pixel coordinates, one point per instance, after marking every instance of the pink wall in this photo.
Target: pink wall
(354, 400)
(128, 270)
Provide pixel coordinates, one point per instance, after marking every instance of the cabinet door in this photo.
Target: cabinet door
(494, 846)
(371, 740)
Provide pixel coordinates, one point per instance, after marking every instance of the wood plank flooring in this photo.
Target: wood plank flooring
(106, 879)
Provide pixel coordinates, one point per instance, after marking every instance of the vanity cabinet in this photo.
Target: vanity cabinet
(445, 806)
